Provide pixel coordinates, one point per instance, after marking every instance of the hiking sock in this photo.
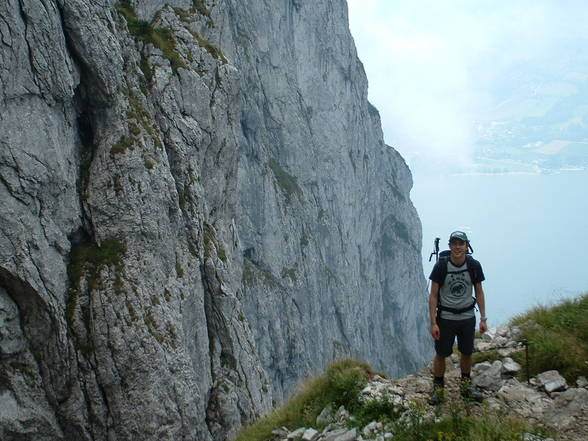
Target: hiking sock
(437, 395)
(439, 382)
(468, 390)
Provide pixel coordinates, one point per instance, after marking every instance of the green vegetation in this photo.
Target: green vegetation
(161, 38)
(198, 5)
(86, 260)
(211, 241)
(490, 356)
(210, 48)
(558, 336)
(458, 426)
(149, 164)
(559, 340)
(121, 146)
(287, 182)
(252, 274)
(339, 385)
(290, 273)
(143, 117)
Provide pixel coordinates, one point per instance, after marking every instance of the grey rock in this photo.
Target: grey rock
(372, 428)
(582, 382)
(489, 378)
(310, 435)
(333, 435)
(342, 435)
(12, 341)
(567, 407)
(510, 367)
(327, 416)
(532, 437)
(342, 415)
(513, 391)
(297, 434)
(174, 220)
(551, 381)
(309, 249)
(282, 432)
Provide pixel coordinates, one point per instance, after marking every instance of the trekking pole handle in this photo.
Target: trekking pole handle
(435, 250)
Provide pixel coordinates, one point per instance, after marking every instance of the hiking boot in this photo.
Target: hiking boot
(470, 392)
(437, 395)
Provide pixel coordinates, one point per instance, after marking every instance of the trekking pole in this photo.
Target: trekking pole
(526, 345)
(435, 250)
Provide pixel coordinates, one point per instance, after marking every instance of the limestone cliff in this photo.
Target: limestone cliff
(196, 210)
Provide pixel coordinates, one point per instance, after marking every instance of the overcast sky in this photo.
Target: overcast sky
(435, 66)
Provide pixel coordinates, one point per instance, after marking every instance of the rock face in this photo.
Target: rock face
(196, 211)
(328, 231)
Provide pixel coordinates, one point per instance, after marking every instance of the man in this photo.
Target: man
(451, 309)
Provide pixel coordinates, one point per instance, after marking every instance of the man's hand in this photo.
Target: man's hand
(435, 332)
(483, 326)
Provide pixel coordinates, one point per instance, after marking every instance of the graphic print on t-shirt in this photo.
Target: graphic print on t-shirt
(457, 284)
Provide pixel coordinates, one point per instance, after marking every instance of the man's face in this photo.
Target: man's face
(458, 248)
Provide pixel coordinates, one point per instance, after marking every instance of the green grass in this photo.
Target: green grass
(161, 38)
(558, 337)
(339, 385)
(489, 356)
(559, 340)
(287, 183)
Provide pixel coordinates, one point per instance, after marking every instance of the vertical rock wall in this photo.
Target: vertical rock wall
(196, 210)
(330, 238)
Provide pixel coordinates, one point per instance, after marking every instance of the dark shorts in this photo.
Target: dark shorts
(464, 330)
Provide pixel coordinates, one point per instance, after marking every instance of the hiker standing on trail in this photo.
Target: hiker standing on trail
(451, 309)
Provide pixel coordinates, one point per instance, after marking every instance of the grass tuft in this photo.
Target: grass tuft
(161, 38)
(339, 385)
(558, 337)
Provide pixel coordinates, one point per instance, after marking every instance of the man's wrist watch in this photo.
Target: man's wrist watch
(483, 319)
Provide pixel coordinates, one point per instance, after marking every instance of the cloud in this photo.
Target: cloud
(434, 67)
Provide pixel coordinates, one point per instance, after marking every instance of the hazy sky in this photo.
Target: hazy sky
(436, 66)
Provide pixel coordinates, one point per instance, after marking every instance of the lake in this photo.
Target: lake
(529, 231)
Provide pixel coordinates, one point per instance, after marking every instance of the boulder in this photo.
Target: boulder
(551, 381)
(327, 416)
(372, 428)
(490, 377)
(310, 435)
(341, 435)
(510, 367)
(297, 434)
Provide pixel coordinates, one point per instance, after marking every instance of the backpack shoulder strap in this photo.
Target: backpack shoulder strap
(473, 267)
(443, 269)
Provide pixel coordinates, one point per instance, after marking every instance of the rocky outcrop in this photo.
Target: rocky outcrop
(196, 210)
(544, 400)
(329, 234)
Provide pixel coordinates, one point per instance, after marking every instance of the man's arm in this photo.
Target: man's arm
(481, 301)
(433, 302)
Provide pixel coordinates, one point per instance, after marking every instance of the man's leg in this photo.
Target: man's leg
(465, 343)
(443, 349)
(439, 366)
(465, 363)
